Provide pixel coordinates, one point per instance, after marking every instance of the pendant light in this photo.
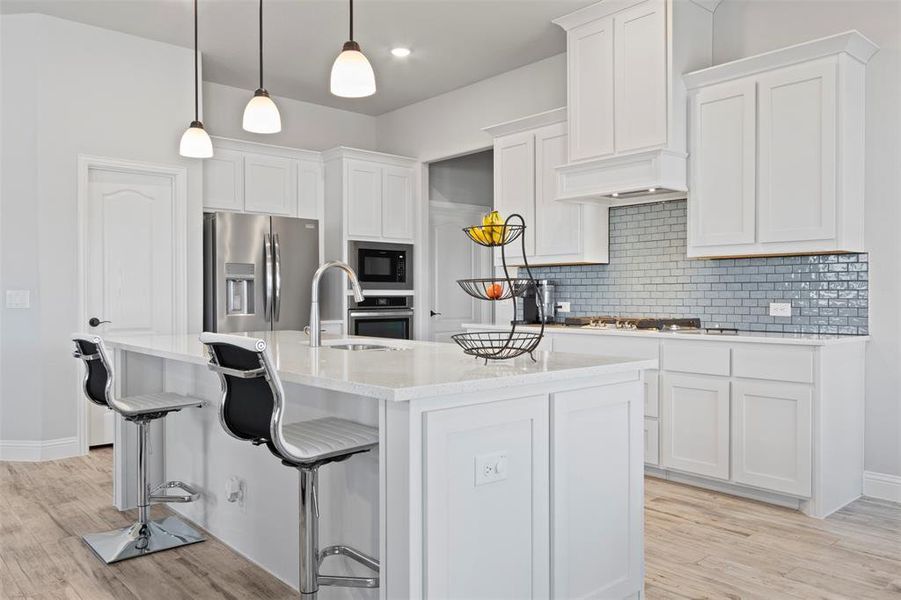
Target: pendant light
(195, 143)
(352, 75)
(261, 114)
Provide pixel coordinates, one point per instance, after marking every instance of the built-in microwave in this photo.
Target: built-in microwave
(383, 266)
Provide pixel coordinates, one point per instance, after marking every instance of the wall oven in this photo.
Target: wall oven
(382, 316)
(383, 266)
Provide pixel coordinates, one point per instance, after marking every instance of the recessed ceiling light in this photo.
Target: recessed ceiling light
(615, 194)
(400, 52)
(652, 190)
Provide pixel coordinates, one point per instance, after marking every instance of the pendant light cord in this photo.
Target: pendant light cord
(351, 20)
(261, 44)
(196, 91)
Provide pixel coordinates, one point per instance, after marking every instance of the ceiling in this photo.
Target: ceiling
(454, 42)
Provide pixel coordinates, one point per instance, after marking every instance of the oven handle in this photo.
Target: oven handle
(379, 313)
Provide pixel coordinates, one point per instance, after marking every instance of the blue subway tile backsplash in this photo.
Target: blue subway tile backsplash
(649, 274)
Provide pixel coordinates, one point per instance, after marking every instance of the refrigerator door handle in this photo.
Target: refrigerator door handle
(267, 275)
(277, 276)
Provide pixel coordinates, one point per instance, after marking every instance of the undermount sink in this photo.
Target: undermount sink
(356, 347)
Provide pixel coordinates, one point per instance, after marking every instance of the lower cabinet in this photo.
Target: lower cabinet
(771, 435)
(651, 441)
(695, 424)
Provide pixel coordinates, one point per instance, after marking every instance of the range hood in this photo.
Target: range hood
(626, 101)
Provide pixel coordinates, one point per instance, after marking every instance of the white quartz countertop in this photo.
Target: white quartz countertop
(409, 370)
(798, 339)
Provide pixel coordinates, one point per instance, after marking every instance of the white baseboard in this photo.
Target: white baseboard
(38, 450)
(882, 486)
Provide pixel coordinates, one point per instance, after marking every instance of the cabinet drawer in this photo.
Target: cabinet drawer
(608, 345)
(768, 362)
(651, 442)
(696, 357)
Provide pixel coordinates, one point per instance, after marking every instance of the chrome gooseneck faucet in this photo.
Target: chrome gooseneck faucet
(315, 337)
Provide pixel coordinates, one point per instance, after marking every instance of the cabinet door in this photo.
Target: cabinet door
(722, 203)
(558, 225)
(797, 155)
(651, 442)
(488, 538)
(590, 89)
(270, 184)
(695, 424)
(223, 181)
(364, 199)
(397, 203)
(771, 435)
(597, 542)
(309, 186)
(514, 183)
(640, 76)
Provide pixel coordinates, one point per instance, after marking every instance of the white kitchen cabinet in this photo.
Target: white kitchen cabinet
(627, 104)
(778, 150)
(651, 442)
(259, 178)
(364, 199)
(526, 155)
(771, 435)
(724, 147)
(694, 435)
(597, 541)
(397, 203)
(270, 184)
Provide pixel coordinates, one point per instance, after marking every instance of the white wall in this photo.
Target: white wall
(451, 124)
(746, 27)
(71, 89)
(304, 125)
(466, 179)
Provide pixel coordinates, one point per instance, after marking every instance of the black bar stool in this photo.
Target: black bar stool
(252, 410)
(144, 536)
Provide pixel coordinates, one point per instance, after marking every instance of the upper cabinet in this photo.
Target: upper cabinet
(626, 99)
(371, 195)
(777, 151)
(258, 178)
(527, 153)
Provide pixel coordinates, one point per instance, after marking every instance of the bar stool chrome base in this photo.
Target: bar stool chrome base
(139, 539)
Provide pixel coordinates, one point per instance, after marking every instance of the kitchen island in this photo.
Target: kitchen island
(515, 479)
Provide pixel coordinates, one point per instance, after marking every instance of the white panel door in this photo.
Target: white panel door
(590, 89)
(694, 424)
(640, 76)
(597, 539)
(270, 184)
(558, 225)
(132, 230)
(488, 541)
(397, 203)
(514, 183)
(309, 189)
(771, 435)
(797, 156)
(223, 181)
(453, 256)
(722, 202)
(364, 199)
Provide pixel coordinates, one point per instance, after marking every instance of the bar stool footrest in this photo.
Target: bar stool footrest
(348, 581)
(190, 493)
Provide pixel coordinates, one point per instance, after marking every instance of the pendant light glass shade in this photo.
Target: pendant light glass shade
(261, 114)
(352, 75)
(195, 142)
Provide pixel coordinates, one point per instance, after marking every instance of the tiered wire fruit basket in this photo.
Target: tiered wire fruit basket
(501, 345)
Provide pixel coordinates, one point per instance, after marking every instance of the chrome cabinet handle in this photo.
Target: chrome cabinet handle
(267, 257)
(380, 313)
(277, 300)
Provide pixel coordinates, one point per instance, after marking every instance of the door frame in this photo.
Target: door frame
(178, 177)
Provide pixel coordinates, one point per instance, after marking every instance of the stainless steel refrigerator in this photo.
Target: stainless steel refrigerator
(257, 272)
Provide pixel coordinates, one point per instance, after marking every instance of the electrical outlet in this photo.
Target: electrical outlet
(563, 307)
(780, 309)
(491, 467)
(18, 299)
(235, 491)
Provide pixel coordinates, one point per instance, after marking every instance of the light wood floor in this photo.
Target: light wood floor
(699, 544)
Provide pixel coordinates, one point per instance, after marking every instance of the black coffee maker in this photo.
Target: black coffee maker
(532, 302)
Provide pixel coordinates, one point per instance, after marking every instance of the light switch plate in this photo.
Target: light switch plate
(18, 298)
(491, 467)
(780, 309)
(564, 307)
